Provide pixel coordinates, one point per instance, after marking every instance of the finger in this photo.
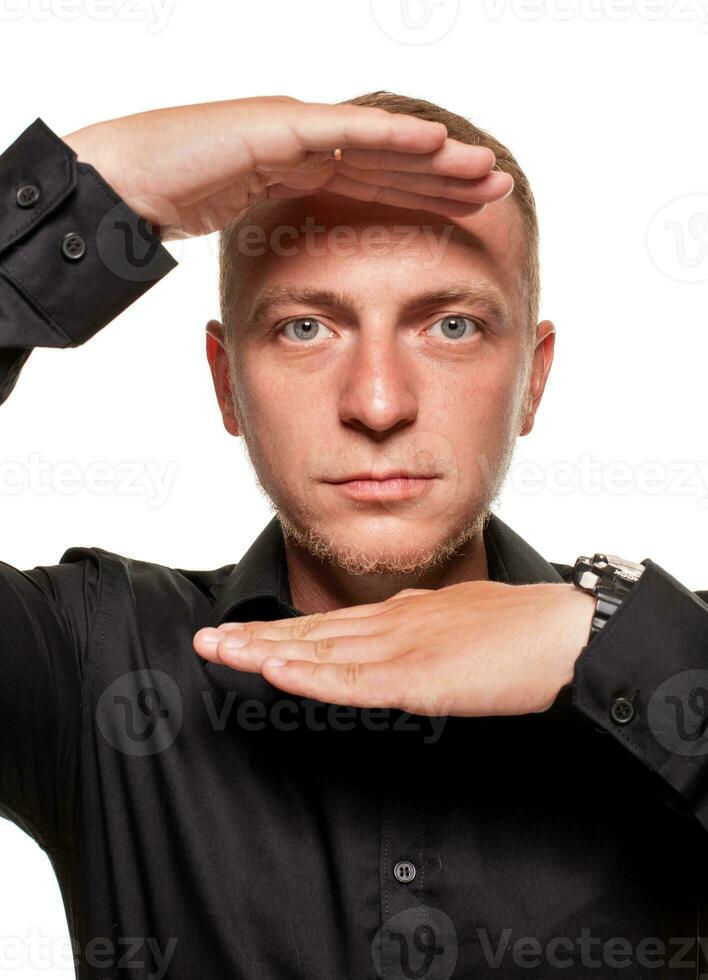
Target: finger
(365, 685)
(452, 159)
(250, 654)
(340, 184)
(323, 127)
(239, 650)
(494, 186)
(315, 627)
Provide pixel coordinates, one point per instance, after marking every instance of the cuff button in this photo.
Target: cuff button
(73, 246)
(622, 711)
(28, 195)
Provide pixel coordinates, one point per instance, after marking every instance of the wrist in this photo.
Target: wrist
(578, 611)
(562, 641)
(94, 145)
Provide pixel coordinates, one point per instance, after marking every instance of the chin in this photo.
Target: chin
(381, 547)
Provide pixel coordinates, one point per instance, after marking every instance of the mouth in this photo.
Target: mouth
(396, 485)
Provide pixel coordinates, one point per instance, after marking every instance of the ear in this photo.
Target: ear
(540, 367)
(218, 357)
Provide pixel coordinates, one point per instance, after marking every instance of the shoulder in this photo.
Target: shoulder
(136, 580)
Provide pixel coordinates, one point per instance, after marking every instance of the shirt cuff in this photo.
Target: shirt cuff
(644, 679)
(73, 255)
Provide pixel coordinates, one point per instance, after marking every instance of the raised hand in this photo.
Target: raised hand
(192, 170)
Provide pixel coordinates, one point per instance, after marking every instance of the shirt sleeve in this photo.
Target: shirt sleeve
(643, 678)
(47, 618)
(73, 255)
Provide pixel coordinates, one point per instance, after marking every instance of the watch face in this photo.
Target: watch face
(588, 572)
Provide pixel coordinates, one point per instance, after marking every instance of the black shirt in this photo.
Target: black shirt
(203, 823)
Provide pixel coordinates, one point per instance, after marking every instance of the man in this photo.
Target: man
(378, 745)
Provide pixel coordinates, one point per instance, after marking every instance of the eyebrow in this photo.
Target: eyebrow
(466, 292)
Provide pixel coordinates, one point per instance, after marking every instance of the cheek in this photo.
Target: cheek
(478, 417)
(276, 420)
(477, 408)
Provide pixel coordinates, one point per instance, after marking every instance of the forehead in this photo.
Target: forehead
(316, 237)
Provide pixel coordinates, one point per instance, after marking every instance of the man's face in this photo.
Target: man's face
(380, 378)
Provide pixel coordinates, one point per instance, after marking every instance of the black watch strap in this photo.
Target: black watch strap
(610, 579)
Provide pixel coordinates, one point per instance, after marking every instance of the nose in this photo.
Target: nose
(379, 387)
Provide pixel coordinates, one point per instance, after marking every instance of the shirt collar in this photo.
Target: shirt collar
(260, 580)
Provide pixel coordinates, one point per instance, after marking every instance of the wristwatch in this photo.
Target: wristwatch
(610, 579)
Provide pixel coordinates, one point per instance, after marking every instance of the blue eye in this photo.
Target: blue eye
(454, 327)
(303, 328)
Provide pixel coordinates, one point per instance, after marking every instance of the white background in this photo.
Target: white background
(603, 104)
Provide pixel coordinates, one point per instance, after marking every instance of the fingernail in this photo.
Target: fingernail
(274, 662)
(209, 636)
(232, 643)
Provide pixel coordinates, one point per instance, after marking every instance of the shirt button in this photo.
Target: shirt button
(28, 195)
(73, 246)
(404, 871)
(622, 711)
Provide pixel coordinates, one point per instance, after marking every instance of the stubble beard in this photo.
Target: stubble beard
(306, 535)
(326, 549)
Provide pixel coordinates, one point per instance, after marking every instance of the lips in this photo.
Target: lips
(396, 485)
(369, 477)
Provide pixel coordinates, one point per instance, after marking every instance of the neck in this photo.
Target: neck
(317, 585)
